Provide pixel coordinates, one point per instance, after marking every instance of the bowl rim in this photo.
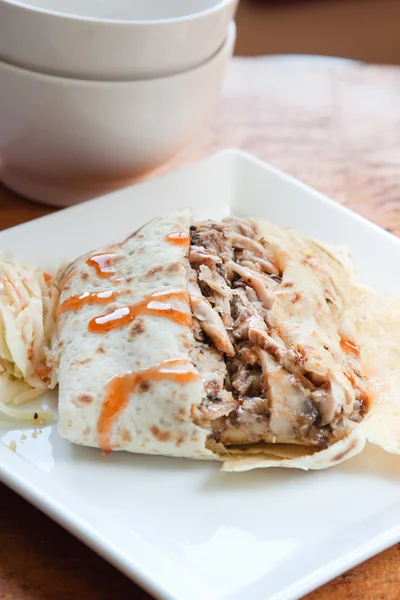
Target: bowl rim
(20, 4)
(229, 42)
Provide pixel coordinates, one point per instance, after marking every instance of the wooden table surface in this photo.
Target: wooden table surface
(333, 124)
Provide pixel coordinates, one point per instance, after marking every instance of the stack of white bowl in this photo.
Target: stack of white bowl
(95, 92)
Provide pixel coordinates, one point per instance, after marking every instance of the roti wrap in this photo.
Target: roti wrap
(155, 420)
(236, 341)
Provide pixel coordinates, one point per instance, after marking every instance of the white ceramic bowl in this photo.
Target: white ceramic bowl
(64, 140)
(112, 39)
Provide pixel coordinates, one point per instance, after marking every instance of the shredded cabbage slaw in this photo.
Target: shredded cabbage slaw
(28, 301)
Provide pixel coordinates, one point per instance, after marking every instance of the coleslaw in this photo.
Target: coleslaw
(28, 301)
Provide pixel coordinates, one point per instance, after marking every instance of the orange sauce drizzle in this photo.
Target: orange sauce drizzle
(151, 305)
(101, 263)
(76, 302)
(178, 238)
(120, 387)
(349, 347)
(43, 372)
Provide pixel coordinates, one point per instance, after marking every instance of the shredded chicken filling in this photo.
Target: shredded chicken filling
(272, 343)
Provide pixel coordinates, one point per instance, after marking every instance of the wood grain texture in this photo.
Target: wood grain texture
(336, 126)
(364, 30)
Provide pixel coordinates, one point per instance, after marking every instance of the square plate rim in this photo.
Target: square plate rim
(98, 542)
(227, 153)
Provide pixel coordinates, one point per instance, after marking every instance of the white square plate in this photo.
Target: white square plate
(181, 528)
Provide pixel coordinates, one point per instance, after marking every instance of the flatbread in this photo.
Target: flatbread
(350, 446)
(156, 419)
(377, 320)
(142, 387)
